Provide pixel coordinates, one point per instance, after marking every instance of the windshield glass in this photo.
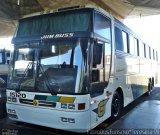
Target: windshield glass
(54, 67)
(60, 22)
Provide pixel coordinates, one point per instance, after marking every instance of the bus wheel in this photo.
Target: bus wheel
(116, 105)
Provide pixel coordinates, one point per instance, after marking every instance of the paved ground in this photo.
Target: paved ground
(8, 127)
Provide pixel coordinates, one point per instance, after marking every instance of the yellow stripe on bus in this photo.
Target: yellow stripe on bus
(67, 99)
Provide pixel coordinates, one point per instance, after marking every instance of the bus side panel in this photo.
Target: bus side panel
(122, 80)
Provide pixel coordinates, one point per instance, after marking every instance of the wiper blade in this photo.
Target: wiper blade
(47, 80)
(30, 64)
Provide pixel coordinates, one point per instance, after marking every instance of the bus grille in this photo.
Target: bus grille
(39, 103)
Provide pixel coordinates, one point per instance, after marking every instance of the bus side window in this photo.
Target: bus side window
(153, 54)
(156, 55)
(119, 39)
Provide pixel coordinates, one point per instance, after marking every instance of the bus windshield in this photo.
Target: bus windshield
(61, 22)
(49, 66)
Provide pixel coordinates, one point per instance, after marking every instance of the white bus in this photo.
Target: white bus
(73, 69)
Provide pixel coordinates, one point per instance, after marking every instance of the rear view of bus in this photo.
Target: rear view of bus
(51, 82)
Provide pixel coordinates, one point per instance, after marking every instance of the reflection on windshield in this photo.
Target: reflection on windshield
(23, 59)
(55, 67)
(61, 54)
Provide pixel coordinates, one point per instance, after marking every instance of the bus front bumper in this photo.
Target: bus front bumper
(64, 120)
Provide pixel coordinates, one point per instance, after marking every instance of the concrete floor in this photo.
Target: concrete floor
(145, 115)
(140, 117)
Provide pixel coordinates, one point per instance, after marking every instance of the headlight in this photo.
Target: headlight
(9, 99)
(64, 106)
(71, 106)
(14, 99)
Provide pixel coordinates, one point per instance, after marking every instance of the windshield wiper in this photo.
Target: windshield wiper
(47, 80)
(30, 64)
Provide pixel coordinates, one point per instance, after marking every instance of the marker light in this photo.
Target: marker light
(81, 106)
(93, 102)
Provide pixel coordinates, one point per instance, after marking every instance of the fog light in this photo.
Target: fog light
(9, 110)
(64, 119)
(70, 120)
(13, 111)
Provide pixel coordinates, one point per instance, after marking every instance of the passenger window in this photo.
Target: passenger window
(149, 52)
(138, 53)
(132, 45)
(119, 41)
(153, 55)
(133, 42)
(157, 55)
(136, 46)
(141, 48)
(125, 39)
(144, 46)
(102, 26)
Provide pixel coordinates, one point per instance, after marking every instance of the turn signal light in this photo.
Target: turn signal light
(81, 106)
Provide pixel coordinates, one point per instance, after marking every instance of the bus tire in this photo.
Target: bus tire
(117, 105)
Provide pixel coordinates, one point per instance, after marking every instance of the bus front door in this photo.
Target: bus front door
(97, 85)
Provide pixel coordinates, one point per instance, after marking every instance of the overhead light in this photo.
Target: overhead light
(18, 1)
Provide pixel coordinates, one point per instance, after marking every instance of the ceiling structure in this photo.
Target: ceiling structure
(12, 10)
